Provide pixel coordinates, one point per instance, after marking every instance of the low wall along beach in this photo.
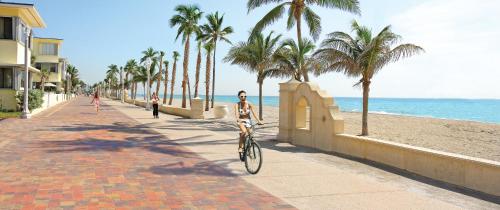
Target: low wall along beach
(309, 117)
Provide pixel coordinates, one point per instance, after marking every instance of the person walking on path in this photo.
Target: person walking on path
(95, 101)
(155, 100)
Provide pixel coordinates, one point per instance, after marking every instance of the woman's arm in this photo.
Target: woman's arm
(253, 113)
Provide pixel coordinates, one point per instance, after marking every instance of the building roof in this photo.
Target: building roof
(48, 38)
(27, 12)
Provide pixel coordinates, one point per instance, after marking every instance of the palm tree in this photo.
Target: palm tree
(209, 47)
(159, 75)
(298, 9)
(256, 55)
(44, 75)
(130, 69)
(362, 56)
(111, 74)
(187, 20)
(294, 59)
(142, 77)
(73, 73)
(174, 69)
(150, 53)
(214, 32)
(165, 82)
(198, 67)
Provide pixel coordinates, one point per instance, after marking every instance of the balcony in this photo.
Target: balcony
(12, 52)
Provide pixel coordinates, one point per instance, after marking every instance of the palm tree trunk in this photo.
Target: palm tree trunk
(159, 77)
(189, 90)
(197, 75)
(165, 83)
(172, 83)
(144, 85)
(185, 71)
(299, 39)
(207, 82)
(260, 99)
(213, 74)
(366, 90)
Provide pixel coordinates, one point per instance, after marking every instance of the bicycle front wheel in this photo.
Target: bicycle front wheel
(253, 160)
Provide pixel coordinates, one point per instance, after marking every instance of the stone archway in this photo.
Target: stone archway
(308, 115)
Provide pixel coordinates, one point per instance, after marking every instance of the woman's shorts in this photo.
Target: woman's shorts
(247, 123)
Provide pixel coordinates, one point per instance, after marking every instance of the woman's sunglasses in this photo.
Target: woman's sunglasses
(243, 96)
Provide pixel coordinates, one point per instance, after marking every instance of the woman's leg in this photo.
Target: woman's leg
(155, 109)
(243, 132)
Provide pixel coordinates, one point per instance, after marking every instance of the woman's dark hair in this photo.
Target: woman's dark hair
(241, 91)
(96, 94)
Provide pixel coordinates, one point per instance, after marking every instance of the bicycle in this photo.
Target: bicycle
(252, 153)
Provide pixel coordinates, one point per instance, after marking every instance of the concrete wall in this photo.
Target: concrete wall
(324, 130)
(8, 99)
(195, 112)
(474, 173)
(52, 99)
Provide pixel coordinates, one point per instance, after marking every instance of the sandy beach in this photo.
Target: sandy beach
(474, 139)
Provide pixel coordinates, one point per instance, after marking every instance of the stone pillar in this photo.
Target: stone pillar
(197, 111)
(286, 111)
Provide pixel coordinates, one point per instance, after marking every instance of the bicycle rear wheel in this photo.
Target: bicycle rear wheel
(253, 159)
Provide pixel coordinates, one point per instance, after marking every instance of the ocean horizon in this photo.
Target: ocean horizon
(479, 110)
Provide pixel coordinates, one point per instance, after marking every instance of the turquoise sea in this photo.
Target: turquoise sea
(481, 110)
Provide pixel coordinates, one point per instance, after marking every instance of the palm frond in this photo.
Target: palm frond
(313, 22)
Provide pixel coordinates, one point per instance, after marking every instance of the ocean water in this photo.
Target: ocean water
(480, 110)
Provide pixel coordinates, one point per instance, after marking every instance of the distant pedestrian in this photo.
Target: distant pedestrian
(155, 100)
(95, 101)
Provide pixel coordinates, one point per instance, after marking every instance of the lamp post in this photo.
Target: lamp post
(123, 85)
(148, 90)
(26, 112)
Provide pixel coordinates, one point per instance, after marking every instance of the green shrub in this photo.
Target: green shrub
(35, 99)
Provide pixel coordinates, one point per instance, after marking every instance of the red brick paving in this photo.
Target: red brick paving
(72, 158)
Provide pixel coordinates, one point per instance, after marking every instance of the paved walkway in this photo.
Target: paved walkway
(70, 158)
(305, 178)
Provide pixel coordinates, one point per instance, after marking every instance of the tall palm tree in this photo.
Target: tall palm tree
(198, 67)
(294, 59)
(362, 56)
(187, 20)
(214, 32)
(298, 9)
(165, 82)
(256, 55)
(159, 75)
(209, 47)
(174, 69)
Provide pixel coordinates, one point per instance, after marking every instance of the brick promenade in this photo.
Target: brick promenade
(69, 157)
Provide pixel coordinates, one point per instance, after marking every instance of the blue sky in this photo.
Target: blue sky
(460, 41)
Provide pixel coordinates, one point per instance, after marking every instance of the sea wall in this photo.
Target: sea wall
(308, 116)
(194, 112)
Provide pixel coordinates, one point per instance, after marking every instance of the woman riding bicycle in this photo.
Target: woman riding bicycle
(242, 113)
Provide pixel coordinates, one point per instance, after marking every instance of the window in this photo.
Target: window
(6, 78)
(48, 49)
(303, 115)
(52, 67)
(6, 28)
